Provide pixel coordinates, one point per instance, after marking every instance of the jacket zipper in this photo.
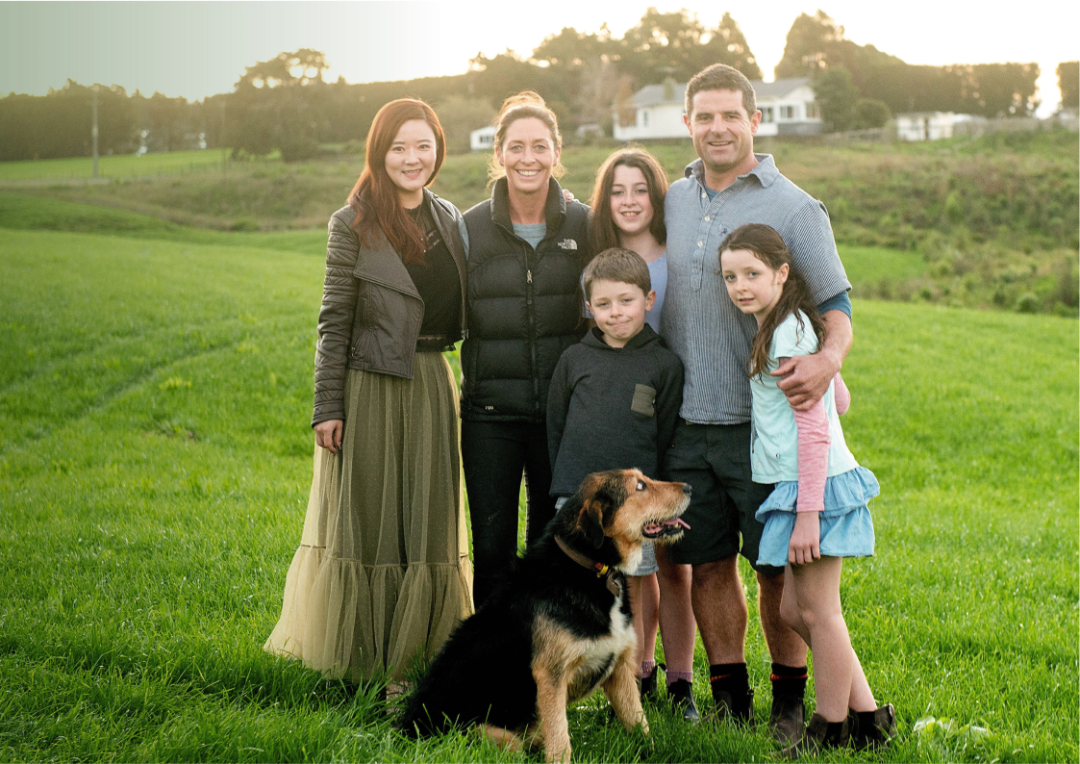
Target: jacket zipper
(532, 327)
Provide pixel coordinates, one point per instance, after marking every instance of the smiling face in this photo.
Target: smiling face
(754, 287)
(527, 154)
(411, 161)
(619, 309)
(631, 207)
(723, 133)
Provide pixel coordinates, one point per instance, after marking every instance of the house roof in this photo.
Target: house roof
(652, 95)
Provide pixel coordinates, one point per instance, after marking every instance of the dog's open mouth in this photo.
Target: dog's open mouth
(673, 527)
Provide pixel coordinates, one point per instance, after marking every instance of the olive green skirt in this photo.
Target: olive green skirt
(382, 575)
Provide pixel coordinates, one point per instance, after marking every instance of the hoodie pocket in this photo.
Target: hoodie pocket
(644, 400)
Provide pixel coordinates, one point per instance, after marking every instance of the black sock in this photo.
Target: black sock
(731, 678)
(788, 680)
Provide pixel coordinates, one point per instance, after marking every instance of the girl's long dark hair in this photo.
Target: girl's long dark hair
(769, 248)
(602, 232)
(375, 197)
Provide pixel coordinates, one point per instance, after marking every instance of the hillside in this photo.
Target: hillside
(994, 221)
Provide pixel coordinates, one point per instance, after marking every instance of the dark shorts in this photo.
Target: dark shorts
(715, 460)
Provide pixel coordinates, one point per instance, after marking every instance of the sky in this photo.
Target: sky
(197, 49)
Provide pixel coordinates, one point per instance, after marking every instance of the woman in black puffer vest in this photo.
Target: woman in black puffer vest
(527, 247)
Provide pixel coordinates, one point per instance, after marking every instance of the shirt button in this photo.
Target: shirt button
(706, 218)
(703, 195)
(701, 244)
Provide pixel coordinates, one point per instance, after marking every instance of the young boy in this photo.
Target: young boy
(614, 400)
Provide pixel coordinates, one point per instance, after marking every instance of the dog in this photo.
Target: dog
(559, 626)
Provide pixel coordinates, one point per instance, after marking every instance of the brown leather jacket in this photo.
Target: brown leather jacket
(371, 312)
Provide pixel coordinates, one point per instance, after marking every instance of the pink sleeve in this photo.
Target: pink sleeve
(841, 395)
(813, 427)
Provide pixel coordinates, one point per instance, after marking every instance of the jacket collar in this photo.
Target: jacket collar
(554, 207)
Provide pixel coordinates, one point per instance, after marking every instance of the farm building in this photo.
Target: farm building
(482, 139)
(656, 111)
(933, 125)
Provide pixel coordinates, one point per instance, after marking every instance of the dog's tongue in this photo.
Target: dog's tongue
(657, 527)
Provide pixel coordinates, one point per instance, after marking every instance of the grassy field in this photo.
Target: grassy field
(990, 223)
(113, 166)
(155, 459)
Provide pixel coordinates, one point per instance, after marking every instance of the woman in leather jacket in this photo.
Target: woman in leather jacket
(382, 574)
(527, 246)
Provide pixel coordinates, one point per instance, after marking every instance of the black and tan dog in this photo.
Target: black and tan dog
(559, 627)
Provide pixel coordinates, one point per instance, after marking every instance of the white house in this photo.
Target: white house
(933, 125)
(482, 139)
(656, 111)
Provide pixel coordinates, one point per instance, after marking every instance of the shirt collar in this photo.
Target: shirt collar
(765, 171)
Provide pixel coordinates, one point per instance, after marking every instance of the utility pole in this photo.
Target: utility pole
(94, 132)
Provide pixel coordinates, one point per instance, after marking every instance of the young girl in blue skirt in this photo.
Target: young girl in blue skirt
(817, 513)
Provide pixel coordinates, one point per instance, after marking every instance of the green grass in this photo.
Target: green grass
(993, 220)
(114, 166)
(155, 459)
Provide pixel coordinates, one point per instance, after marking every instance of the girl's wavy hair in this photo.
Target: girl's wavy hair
(602, 231)
(768, 247)
(375, 197)
(524, 105)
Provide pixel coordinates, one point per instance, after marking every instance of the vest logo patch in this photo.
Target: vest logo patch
(568, 244)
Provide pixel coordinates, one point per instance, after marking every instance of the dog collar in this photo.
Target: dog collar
(602, 571)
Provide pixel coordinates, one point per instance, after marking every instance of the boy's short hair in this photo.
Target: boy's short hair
(617, 264)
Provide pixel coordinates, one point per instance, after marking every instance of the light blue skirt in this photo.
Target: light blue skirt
(847, 530)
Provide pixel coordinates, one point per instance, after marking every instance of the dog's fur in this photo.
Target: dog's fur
(554, 631)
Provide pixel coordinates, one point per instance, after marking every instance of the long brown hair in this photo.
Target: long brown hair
(602, 231)
(526, 104)
(769, 248)
(375, 197)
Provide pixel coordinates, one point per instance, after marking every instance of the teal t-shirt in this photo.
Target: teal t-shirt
(774, 438)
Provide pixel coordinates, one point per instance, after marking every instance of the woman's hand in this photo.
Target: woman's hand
(803, 547)
(328, 434)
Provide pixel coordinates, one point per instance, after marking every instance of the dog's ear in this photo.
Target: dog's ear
(591, 521)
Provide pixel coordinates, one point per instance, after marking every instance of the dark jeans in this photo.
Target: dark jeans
(494, 455)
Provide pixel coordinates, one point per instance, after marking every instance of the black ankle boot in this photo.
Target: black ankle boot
(872, 728)
(681, 693)
(820, 733)
(648, 684)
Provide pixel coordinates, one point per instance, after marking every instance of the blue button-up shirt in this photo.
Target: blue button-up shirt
(701, 324)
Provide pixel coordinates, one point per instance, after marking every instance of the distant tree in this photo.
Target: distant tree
(1068, 74)
(459, 116)
(870, 113)
(835, 92)
(727, 45)
(812, 44)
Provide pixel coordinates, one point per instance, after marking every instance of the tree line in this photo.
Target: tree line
(285, 104)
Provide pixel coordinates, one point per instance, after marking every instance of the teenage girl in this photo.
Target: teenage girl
(628, 212)
(817, 513)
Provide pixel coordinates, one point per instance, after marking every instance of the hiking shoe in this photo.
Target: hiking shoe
(873, 728)
(681, 693)
(738, 709)
(820, 733)
(787, 717)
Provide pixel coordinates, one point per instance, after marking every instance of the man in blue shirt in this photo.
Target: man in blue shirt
(727, 186)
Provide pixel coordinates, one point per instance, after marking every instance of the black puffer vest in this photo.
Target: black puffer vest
(524, 306)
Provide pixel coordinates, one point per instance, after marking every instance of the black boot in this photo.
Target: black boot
(648, 684)
(873, 728)
(739, 708)
(681, 693)
(820, 733)
(787, 717)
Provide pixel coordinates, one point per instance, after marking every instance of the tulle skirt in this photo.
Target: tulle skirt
(847, 530)
(382, 574)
